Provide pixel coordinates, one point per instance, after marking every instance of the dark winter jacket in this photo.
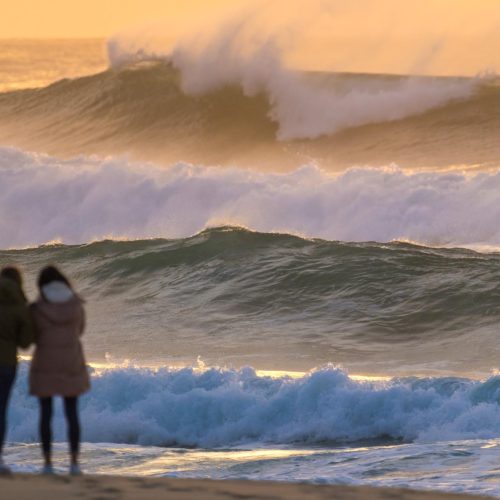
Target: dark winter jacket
(16, 325)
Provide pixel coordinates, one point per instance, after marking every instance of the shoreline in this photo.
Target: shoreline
(59, 487)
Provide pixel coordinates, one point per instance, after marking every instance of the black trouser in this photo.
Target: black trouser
(7, 376)
(71, 412)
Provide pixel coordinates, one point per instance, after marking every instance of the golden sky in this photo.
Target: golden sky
(429, 36)
(93, 18)
(101, 18)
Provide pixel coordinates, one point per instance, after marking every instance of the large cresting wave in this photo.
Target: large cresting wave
(301, 109)
(254, 114)
(218, 407)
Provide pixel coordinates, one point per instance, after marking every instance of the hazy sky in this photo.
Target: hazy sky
(100, 18)
(94, 18)
(433, 36)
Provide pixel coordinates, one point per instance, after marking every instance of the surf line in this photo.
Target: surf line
(106, 366)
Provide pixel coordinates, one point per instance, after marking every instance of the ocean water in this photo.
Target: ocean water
(289, 276)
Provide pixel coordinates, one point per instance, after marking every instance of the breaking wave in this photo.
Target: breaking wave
(43, 199)
(200, 114)
(219, 407)
(301, 109)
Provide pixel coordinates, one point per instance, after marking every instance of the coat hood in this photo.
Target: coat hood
(57, 292)
(11, 293)
(59, 313)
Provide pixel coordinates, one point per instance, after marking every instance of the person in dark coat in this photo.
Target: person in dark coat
(58, 367)
(16, 330)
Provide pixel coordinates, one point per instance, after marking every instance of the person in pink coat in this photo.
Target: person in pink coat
(58, 367)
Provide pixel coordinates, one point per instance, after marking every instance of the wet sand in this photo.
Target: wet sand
(22, 487)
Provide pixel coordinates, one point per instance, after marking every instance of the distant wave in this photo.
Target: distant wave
(228, 407)
(44, 199)
(154, 112)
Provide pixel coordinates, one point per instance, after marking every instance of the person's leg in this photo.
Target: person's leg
(46, 429)
(71, 411)
(7, 376)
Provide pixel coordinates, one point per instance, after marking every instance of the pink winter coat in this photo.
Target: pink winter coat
(58, 367)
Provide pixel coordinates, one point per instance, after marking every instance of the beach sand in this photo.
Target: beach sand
(21, 487)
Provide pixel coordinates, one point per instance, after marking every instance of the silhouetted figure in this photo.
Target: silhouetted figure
(58, 366)
(16, 330)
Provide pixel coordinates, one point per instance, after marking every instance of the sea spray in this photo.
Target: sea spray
(302, 109)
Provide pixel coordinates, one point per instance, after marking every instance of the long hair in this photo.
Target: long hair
(12, 273)
(49, 274)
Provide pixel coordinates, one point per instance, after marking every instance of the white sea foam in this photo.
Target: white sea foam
(44, 199)
(220, 407)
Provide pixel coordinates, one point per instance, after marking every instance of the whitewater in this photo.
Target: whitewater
(323, 427)
(288, 275)
(214, 408)
(122, 199)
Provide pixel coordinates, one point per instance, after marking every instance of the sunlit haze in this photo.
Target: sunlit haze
(428, 37)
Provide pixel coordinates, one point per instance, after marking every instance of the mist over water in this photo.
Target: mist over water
(36, 63)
